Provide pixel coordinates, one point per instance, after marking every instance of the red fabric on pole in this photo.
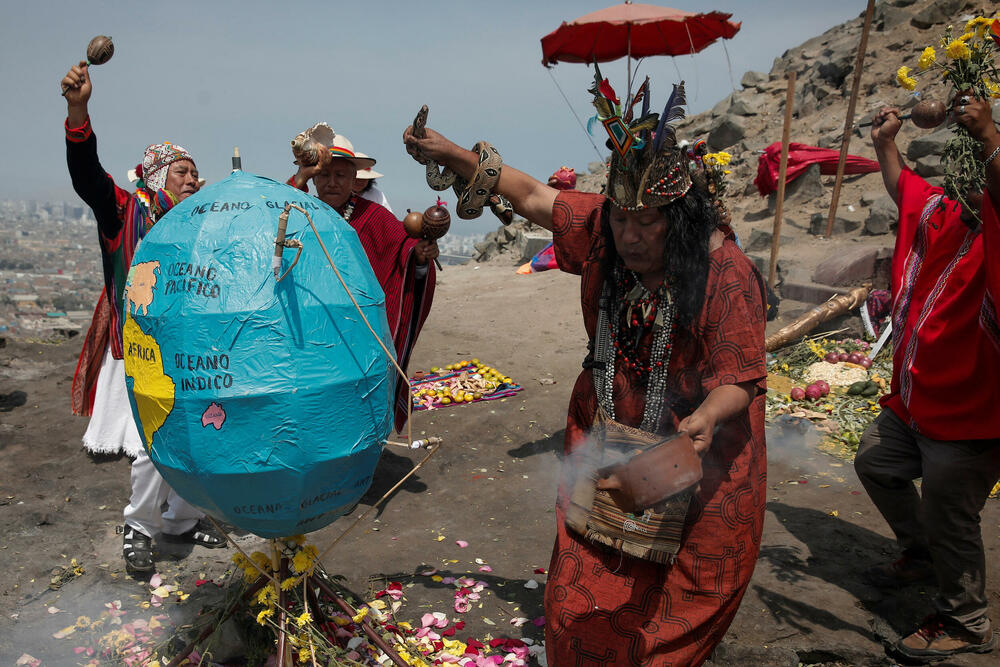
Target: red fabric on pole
(634, 29)
(800, 156)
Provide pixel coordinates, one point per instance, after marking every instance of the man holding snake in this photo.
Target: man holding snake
(403, 265)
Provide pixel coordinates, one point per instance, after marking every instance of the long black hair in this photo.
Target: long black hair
(690, 222)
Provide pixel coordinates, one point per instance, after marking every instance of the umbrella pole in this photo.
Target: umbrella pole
(628, 64)
(772, 272)
(849, 122)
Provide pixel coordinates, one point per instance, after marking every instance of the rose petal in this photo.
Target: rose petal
(519, 621)
(485, 568)
(540, 621)
(461, 543)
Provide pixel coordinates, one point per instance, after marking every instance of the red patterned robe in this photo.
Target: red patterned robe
(605, 608)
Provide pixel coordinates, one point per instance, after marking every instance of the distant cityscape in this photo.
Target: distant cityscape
(50, 267)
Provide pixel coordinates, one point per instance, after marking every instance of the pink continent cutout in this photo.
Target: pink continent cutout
(214, 415)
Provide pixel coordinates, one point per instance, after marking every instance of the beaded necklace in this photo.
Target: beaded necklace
(626, 311)
(349, 208)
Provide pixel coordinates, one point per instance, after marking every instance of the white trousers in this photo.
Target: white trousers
(149, 492)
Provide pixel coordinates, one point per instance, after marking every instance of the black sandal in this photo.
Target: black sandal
(203, 534)
(137, 550)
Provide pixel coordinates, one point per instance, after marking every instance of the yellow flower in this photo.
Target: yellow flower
(290, 583)
(904, 79)
(957, 50)
(927, 58)
(305, 558)
(966, 37)
(267, 595)
(981, 24)
(264, 615)
(360, 615)
(304, 619)
(721, 158)
(82, 622)
(305, 654)
(992, 87)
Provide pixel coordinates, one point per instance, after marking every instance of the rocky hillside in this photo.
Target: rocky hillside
(750, 119)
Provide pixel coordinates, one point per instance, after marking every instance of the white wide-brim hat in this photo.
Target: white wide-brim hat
(369, 173)
(342, 148)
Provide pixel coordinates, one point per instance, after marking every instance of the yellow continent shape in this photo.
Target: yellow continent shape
(152, 387)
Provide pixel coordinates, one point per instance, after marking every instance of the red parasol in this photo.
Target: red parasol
(634, 30)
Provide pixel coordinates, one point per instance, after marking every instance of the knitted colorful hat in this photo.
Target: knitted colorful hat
(155, 161)
(647, 168)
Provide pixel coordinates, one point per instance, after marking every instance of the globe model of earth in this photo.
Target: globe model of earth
(263, 403)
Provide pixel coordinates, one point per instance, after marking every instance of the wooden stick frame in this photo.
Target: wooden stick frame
(849, 121)
(779, 209)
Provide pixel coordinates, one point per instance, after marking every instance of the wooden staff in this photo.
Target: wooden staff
(849, 122)
(779, 208)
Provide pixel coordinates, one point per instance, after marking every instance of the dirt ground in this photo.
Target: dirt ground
(492, 485)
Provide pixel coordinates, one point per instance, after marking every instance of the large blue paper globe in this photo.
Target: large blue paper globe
(262, 403)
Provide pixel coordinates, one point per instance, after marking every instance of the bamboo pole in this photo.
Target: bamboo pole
(849, 121)
(779, 209)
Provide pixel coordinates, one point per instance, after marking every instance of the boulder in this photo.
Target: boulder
(727, 131)
(888, 17)
(722, 106)
(743, 107)
(869, 197)
(835, 70)
(485, 250)
(533, 244)
(847, 267)
(760, 239)
(882, 216)
(929, 144)
(937, 12)
(806, 188)
(753, 79)
(844, 222)
(929, 165)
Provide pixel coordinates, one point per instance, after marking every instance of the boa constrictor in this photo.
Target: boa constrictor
(472, 195)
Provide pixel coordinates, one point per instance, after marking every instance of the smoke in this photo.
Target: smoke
(794, 444)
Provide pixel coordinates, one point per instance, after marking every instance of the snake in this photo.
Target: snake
(472, 195)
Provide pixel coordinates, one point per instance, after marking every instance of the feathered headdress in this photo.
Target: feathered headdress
(647, 169)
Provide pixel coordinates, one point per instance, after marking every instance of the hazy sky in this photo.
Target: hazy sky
(213, 74)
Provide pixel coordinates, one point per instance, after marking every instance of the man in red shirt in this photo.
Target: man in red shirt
(941, 419)
(404, 266)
